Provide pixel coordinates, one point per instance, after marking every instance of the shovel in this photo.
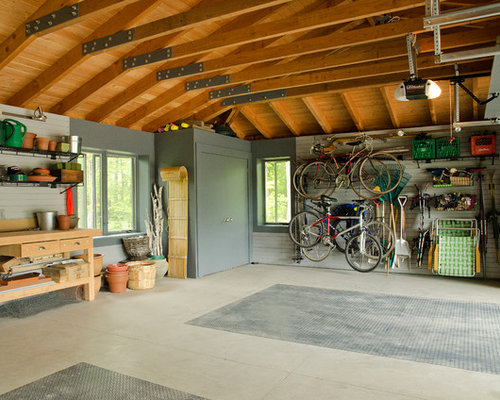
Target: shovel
(402, 246)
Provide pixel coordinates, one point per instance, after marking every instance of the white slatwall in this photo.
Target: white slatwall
(22, 202)
(278, 248)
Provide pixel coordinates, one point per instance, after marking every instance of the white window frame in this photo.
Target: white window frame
(104, 189)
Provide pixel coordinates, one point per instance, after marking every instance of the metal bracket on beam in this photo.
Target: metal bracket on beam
(457, 17)
(215, 94)
(180, 71)
(53, 19)
(208, 82)
(253, 98)
(108, 41)
(147, 58)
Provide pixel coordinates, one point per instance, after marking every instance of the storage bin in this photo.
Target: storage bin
(447, 149)
(483, 145)
(423, 149)
(141, 274)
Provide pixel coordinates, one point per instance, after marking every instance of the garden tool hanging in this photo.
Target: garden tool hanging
(402, 246)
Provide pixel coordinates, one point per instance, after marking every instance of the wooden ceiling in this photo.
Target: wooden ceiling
(340, 61)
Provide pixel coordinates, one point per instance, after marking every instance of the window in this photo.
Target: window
(277, 191)
(108, 200)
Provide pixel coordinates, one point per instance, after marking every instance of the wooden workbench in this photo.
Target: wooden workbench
(39, 243)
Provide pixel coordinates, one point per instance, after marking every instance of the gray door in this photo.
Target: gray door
(222, 197)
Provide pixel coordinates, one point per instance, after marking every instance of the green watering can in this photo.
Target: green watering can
(12, 133)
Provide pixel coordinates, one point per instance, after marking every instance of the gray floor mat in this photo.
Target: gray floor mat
(87, 382)
(452, 333)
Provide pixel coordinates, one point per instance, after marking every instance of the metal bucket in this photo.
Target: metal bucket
(75, 143)
(47, 220)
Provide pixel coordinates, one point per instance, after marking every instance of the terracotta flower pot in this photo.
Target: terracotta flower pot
(52, 145)
(42, 143)
(63, 222)
(117, 282)
(116, 268)
(29, 140)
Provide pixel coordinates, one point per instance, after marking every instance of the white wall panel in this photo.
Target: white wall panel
(278, 248)
(23, 202)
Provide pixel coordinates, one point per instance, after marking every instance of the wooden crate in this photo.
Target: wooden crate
(67, 175)
(67, 272)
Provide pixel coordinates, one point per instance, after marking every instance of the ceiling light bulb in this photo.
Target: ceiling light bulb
(433, 89)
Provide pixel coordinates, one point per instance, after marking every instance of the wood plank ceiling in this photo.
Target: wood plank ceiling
(340, 61)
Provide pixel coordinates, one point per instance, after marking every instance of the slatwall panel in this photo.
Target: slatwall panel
(22, 202)
(278, 249)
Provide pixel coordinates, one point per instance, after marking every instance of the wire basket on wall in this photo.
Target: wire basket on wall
(136, 247)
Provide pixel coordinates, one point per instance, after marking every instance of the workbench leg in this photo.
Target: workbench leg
(88, 290)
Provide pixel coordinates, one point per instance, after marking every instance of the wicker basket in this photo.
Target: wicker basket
(461, 181)
(141, 274)
(137, 247)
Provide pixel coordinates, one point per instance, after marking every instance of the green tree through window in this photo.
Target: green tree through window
(277, 192)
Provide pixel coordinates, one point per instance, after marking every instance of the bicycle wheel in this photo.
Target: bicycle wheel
(319, 251)
(384, 234)
(380, 180)
(296, 179)
(302, 231)
(363, 252)
(317, 179)
(358, 187)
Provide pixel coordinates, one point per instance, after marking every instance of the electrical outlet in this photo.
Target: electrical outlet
(2, 213)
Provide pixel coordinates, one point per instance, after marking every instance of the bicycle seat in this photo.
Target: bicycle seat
(328, 199)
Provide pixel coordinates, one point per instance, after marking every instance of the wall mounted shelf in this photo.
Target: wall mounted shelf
(53, 155)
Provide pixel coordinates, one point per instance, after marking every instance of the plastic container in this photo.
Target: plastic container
(423, 149)
(47, 220)
(483, 145)
(447, 149)
(142, 274)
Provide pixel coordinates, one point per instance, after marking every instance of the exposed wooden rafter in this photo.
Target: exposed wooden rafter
(319, 114)
(74, 57)
(18, 40)
(261, 126)
(286, 117)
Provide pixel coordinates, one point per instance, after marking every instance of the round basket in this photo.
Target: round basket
(141, 274)
(137, 247)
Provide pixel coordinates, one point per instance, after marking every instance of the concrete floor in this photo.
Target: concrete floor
(143, 334)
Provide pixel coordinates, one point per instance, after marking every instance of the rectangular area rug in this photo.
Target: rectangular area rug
(456, 334)
(87, 382)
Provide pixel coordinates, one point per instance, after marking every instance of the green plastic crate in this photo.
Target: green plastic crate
(447, 149)
(423, 149)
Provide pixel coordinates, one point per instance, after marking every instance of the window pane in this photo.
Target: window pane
(277, 191)
(121, 199)
(89, 196)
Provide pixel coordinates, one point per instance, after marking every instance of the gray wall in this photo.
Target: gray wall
(179, 148)
(97, 136)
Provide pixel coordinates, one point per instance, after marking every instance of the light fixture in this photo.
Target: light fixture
(415, 88)
(38, 114)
